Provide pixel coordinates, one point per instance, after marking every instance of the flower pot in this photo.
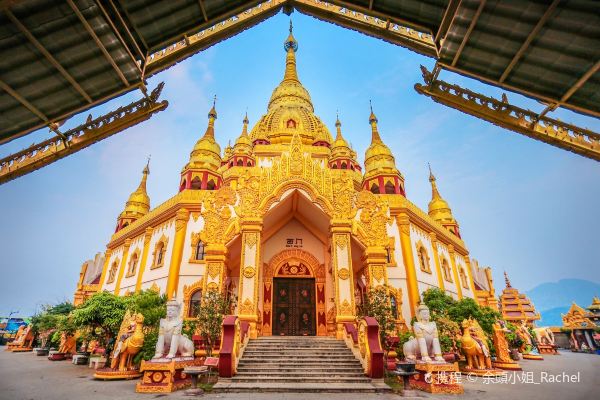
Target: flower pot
(406, 366)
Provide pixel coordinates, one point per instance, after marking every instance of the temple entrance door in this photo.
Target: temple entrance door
(294, 307)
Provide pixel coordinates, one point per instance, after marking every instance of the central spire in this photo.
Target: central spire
(290, 46)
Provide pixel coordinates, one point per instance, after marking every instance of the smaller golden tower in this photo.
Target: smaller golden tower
(138, 203)
(241, 155)
(342, 156)
(381, 174)
(439, 209)
(202, 171)
(516, 307)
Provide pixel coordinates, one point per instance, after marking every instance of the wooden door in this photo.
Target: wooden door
(294, 307)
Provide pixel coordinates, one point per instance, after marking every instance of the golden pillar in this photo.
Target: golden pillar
(455, 272)
(123, 265)
(375, 262)
(403, 222)
(343, 276)
(147, 237)
(436, 257)
(249, 274)
(470, 274)
(107, 255)
(181, 219)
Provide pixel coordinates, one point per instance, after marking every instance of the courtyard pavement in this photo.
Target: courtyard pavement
(23, 376)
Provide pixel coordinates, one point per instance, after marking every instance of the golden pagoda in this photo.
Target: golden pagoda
(288, 209)
(594, 309)
(579, 322)
(517, 307)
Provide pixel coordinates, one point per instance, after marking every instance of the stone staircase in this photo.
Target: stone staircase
(299, 364)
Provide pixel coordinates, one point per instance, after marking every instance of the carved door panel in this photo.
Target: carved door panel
(294, 307)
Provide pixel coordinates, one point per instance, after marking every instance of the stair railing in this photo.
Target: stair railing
(365, 345)
(234, 339)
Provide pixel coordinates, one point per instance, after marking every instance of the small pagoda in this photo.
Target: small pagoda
(579, 322)
(517, 307)
(594, 309)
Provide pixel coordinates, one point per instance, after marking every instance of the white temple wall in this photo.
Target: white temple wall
(399, 271)
(461, 262)
(419, 237)
(302, 239)
(152, 275)
(193, 268)
(449, 286)
(116, 255)
(400, 283)
(128, 282)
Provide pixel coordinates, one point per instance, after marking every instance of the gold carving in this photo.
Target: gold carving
(212, 286)
(346, 308)
(251, 239)
(343, 197)
(249, 272)
(155, 287)
(378, 272)
(213, 269)
(341, 241)
(216, 211)
(343, 273)
(188, 291)
(247, 307)
(373, 219)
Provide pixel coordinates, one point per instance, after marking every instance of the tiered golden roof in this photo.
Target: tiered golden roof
(578, 318)
(243, 144)
(340, 147)
(207, 152)
(438, 207)
(290, 108)
(595, 304)
(138, 203)
(516, 307)
(378, 157)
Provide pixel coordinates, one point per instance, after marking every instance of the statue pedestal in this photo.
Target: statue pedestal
(165, 375)
(530, 356)
(545, 349)
(20, 349)
(510, 366)
(437, 378)
(109, 374)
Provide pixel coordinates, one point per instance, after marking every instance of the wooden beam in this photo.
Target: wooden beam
(580, 81)
(529, 39)
(116, 32)
(447, 19)
(468, 32)
(505, 115)
(370, 4)
(80, 137)
(48, 56)
(98, 42)
(124, 24)
(201, 3)
(134, 26)
(23, 101)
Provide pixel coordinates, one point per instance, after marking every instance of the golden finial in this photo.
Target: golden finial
(373, 121)
(245, 121)
(147, 168)
(213, 111)
(435, 194)
(506, 280)
(291, 26)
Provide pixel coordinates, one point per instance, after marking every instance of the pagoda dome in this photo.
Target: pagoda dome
(138, 203)
(207, 152)
(439, 209)
(340, 147)
(290, 108)
(378, 157)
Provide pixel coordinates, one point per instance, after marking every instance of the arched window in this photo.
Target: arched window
(125, 224)
(231, 163)
(249, 163)
(388, 255)
(375, 188)
(390, 188)
(423, 260)
(352, 167)
(195, 301)
(211, 185)
(344, 165)
(291, 124)
(240, 163)
(446, 269)
(160, 249)
(394, 304)
(334, 166)
(199, 251)
(132, 264)
(112, 272)
(196, 183)
(463, 278)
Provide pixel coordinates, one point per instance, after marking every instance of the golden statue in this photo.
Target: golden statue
(22, 341)
(68, 343)
(131, 340)
(474, 346)
(503, 359)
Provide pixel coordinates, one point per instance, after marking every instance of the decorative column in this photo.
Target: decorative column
(147, 237)
(375, 262)
(123, 265)
(249, 274)
(457, 280)
(436, 257)
(215, 256)
(181, 220)
(403, 222)
(343, 276)
(107, 255)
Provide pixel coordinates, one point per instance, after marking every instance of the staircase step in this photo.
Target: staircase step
(317, 368)
(292, 379)
(252, 387)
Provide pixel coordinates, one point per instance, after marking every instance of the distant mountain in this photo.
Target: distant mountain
(553, 298)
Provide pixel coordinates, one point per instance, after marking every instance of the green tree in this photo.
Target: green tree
(46, 321)
(438, 301)
(213, 307)
(101, 315)
(377, 304)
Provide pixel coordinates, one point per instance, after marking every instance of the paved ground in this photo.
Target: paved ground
(23, 376)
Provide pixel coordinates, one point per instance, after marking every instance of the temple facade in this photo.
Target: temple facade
(290, 222)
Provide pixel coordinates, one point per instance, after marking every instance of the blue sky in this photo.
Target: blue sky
(523, 206)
